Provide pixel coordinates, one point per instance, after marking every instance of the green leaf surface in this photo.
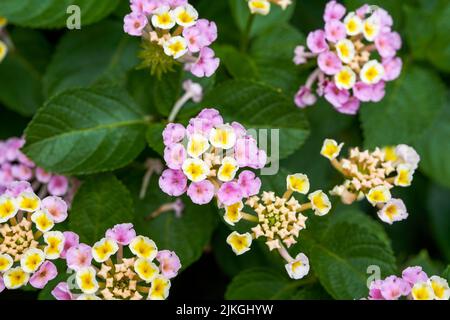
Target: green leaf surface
(438, 204)
(341, 247)
(21, 80)
(411, 105)
(154, 137)
(101, 54)
(53, 13)
(430, 266)
(428, 32)
(101, 202)
(85, 131)
(258, 106)
(261, 284)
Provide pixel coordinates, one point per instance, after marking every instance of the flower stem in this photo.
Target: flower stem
(249, 217)
(178, 105)
(288, 194)
(337, 165)
(304, 207)
(285, 254)
(246, 36)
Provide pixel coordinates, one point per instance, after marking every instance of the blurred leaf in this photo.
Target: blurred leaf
(187, 235)
(428, 32)
(259, 106)
(239, 64)
(101, 202)
(438, 202)
(21, 80)
(261, 284)
(341, 247)
(15, 125)
(166, 91)
(241, 13)
(411, 105)
(434, 148)
(85, 131)
(431, 267)
(154, 137)
(446, 273)
(101, 54)
(53, 13)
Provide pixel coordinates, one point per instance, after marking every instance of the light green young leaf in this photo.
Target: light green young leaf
(101, 202)
(86, 131)
(53, 13)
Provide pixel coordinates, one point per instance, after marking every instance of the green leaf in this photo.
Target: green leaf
(239, 64)
(261, 284)
(438, 203)
(187, 235)
(241, 14)
(433, 44)
(410, 107)
(98, 54)
(433, 149)
(341, 247)
(430, 266)
(21, 80)
(100, 203)
(53, 13)
(154, 137)
(85, 131)
(258, 106)
(446, 273)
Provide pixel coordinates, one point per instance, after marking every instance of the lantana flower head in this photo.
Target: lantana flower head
(414, 284)
(278, 220)
(262, 7)
(356, 56)
(103, 272)
(173, 29)
(372, 175)
(211, 159)
(17, 169)
(28, 242)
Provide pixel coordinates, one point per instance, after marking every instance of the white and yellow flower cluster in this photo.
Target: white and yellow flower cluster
(435, 288)
(26, 239)
(145, 275)
(279, 221)
(262, 7)
(372, 175)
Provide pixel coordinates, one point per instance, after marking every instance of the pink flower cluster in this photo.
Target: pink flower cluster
(174, 25)
(209, 154)
(15, 166)
(346, 50)
(414, 284)
(126, 278)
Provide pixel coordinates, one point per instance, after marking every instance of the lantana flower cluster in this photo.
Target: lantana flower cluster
(414, 284)
(174, 27)
(347, 51)
(262, 7)
(16, 166)
(279, 221)
(3, 38)
(103, 272)
(205, 159)
(372, 175)
(28, 243)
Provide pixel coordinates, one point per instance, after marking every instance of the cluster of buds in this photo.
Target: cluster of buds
(262, 7)
(346, 50)
(279, 221)
(103, 273)
(3, 39)
(172, 28)
(372, 175)
(413, 285)
(27, 242)
(209, 153)
(16, 166)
